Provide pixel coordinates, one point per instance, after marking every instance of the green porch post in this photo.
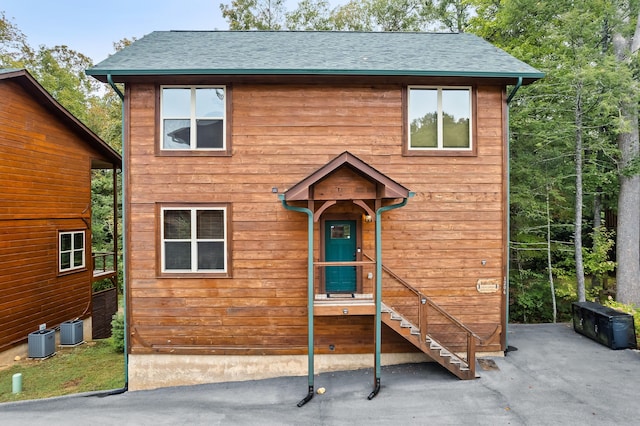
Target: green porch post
(378, 323)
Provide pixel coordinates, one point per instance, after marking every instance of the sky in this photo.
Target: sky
(91, 27)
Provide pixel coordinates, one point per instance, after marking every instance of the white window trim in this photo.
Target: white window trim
(193, 119)
(440, 146)
(194, 241)
(71, 251)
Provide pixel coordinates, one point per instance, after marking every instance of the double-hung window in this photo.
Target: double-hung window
(439, 119)
(193, 118)
(194, 239)
(71, 253)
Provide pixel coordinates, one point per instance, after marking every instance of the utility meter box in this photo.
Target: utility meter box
(42, 343)
(71, 332)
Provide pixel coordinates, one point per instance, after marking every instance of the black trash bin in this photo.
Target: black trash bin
(605, 325)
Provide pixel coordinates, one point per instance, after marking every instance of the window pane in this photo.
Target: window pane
(77, 258)
(210, 224)
(423, 118)
(177, 134)
(456, 113)
(210, 102)
(65, 261)
(210, 133)
(177, 255)
(176, 102)
(177, 224)
(340, 232)
(78, 240)
(211, 255)
(65, 242)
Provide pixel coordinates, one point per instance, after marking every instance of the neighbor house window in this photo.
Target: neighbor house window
(71, 251)
(193, 118)
(194, 239)
(439, 119)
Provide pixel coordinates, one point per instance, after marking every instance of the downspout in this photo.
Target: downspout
(508, 207)
(309, 295)
(378, 325)
(124, 245)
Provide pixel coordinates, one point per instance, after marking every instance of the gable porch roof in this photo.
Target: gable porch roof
(388, 187)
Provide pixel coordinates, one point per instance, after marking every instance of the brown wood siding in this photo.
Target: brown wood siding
(45, 171)
(281, 134)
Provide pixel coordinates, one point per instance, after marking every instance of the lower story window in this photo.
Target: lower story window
(71, 250)
(194, 239)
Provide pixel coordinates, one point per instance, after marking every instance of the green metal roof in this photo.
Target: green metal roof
(313, 53)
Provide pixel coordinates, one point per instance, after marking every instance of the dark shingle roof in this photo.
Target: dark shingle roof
(315, 53)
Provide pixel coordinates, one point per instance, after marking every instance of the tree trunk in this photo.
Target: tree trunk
(628, 227)
(577, 226)
(549, 265)
(597, 223)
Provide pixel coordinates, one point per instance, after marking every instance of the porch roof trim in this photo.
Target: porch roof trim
(392, 189)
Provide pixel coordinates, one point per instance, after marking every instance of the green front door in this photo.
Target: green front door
(340, 246)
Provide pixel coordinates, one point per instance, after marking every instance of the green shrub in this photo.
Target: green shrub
(117, 332)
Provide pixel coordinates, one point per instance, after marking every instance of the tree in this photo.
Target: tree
(626, 44)
(451, 15)
(254, 14)
(13, 44)
(310, 15)
(577, 103)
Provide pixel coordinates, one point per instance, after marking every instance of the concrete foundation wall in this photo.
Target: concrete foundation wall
(155, 371)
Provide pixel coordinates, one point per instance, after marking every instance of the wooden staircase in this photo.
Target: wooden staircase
(427, 344)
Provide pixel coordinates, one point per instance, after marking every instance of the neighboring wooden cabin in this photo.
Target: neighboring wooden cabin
(235, 139)
(46, 158)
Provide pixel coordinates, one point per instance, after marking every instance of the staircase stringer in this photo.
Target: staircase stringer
(427, 344)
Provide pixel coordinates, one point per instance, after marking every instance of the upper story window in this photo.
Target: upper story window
(439, 119)
(194, 239)
(193, 118)
(71, 251)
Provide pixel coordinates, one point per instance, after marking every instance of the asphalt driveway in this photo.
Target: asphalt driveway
(555, 377)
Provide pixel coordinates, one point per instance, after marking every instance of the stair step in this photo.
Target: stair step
(456, 365)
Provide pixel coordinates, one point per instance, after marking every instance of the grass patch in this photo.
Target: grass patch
(93, 366)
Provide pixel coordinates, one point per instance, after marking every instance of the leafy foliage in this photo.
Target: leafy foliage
(117, 332)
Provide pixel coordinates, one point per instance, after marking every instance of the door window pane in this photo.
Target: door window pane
(340, 232)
